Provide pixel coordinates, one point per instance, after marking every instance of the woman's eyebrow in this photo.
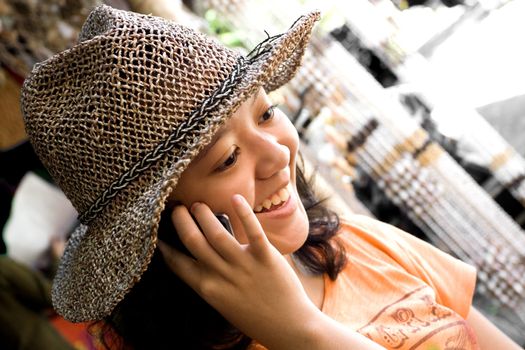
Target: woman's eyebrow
(216, 137)
(254, 99)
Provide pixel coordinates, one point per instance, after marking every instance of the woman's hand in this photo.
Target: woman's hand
(251, 285)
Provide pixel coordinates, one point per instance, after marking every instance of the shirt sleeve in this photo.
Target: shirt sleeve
(452, 279)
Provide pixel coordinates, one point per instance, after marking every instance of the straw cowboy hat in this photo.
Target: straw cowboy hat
(117, 118)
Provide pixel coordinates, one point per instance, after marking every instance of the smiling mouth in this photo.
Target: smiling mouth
(275, 201)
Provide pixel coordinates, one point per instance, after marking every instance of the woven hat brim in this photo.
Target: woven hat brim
(104, 260)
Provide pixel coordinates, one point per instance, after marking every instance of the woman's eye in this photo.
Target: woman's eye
(229, 161)
(268, 114)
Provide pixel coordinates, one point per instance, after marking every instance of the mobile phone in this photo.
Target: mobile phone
(168, 234)
(225, 221)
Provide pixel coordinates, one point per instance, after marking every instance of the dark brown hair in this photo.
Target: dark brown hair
(162, 312)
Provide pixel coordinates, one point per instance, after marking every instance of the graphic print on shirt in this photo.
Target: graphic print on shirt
(416, 321)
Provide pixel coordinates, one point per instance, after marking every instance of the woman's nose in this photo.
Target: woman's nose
(271, 156)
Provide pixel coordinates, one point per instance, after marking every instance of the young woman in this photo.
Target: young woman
(152, 131)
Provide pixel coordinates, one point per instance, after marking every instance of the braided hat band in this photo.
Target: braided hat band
(117, 118)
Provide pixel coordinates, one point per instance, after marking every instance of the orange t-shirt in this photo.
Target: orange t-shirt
(400, 291)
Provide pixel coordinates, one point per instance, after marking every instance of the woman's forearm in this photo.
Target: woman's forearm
(320, 332)
(488, 335)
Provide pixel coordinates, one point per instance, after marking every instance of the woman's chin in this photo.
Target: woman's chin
(287, 228)
(291, 238)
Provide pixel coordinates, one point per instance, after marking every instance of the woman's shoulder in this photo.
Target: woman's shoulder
(378, 232)
(363, 222)
(361, 227)
(360, 234)
(367, 236)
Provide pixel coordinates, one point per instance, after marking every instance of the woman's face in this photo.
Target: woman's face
(254, 154)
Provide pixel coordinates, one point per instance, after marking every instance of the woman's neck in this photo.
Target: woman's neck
(312, 284)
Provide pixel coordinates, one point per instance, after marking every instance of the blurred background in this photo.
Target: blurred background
(412, 111)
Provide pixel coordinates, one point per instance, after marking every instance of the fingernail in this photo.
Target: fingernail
(194, 206)
(237, 198)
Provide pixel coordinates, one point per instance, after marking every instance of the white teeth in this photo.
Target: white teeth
(283, 194)
(276, 199)
(267, 203)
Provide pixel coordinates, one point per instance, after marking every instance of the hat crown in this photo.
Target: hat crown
(93, 111)
(99, 21)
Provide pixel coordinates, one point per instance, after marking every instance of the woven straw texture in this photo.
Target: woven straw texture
(134, 88)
